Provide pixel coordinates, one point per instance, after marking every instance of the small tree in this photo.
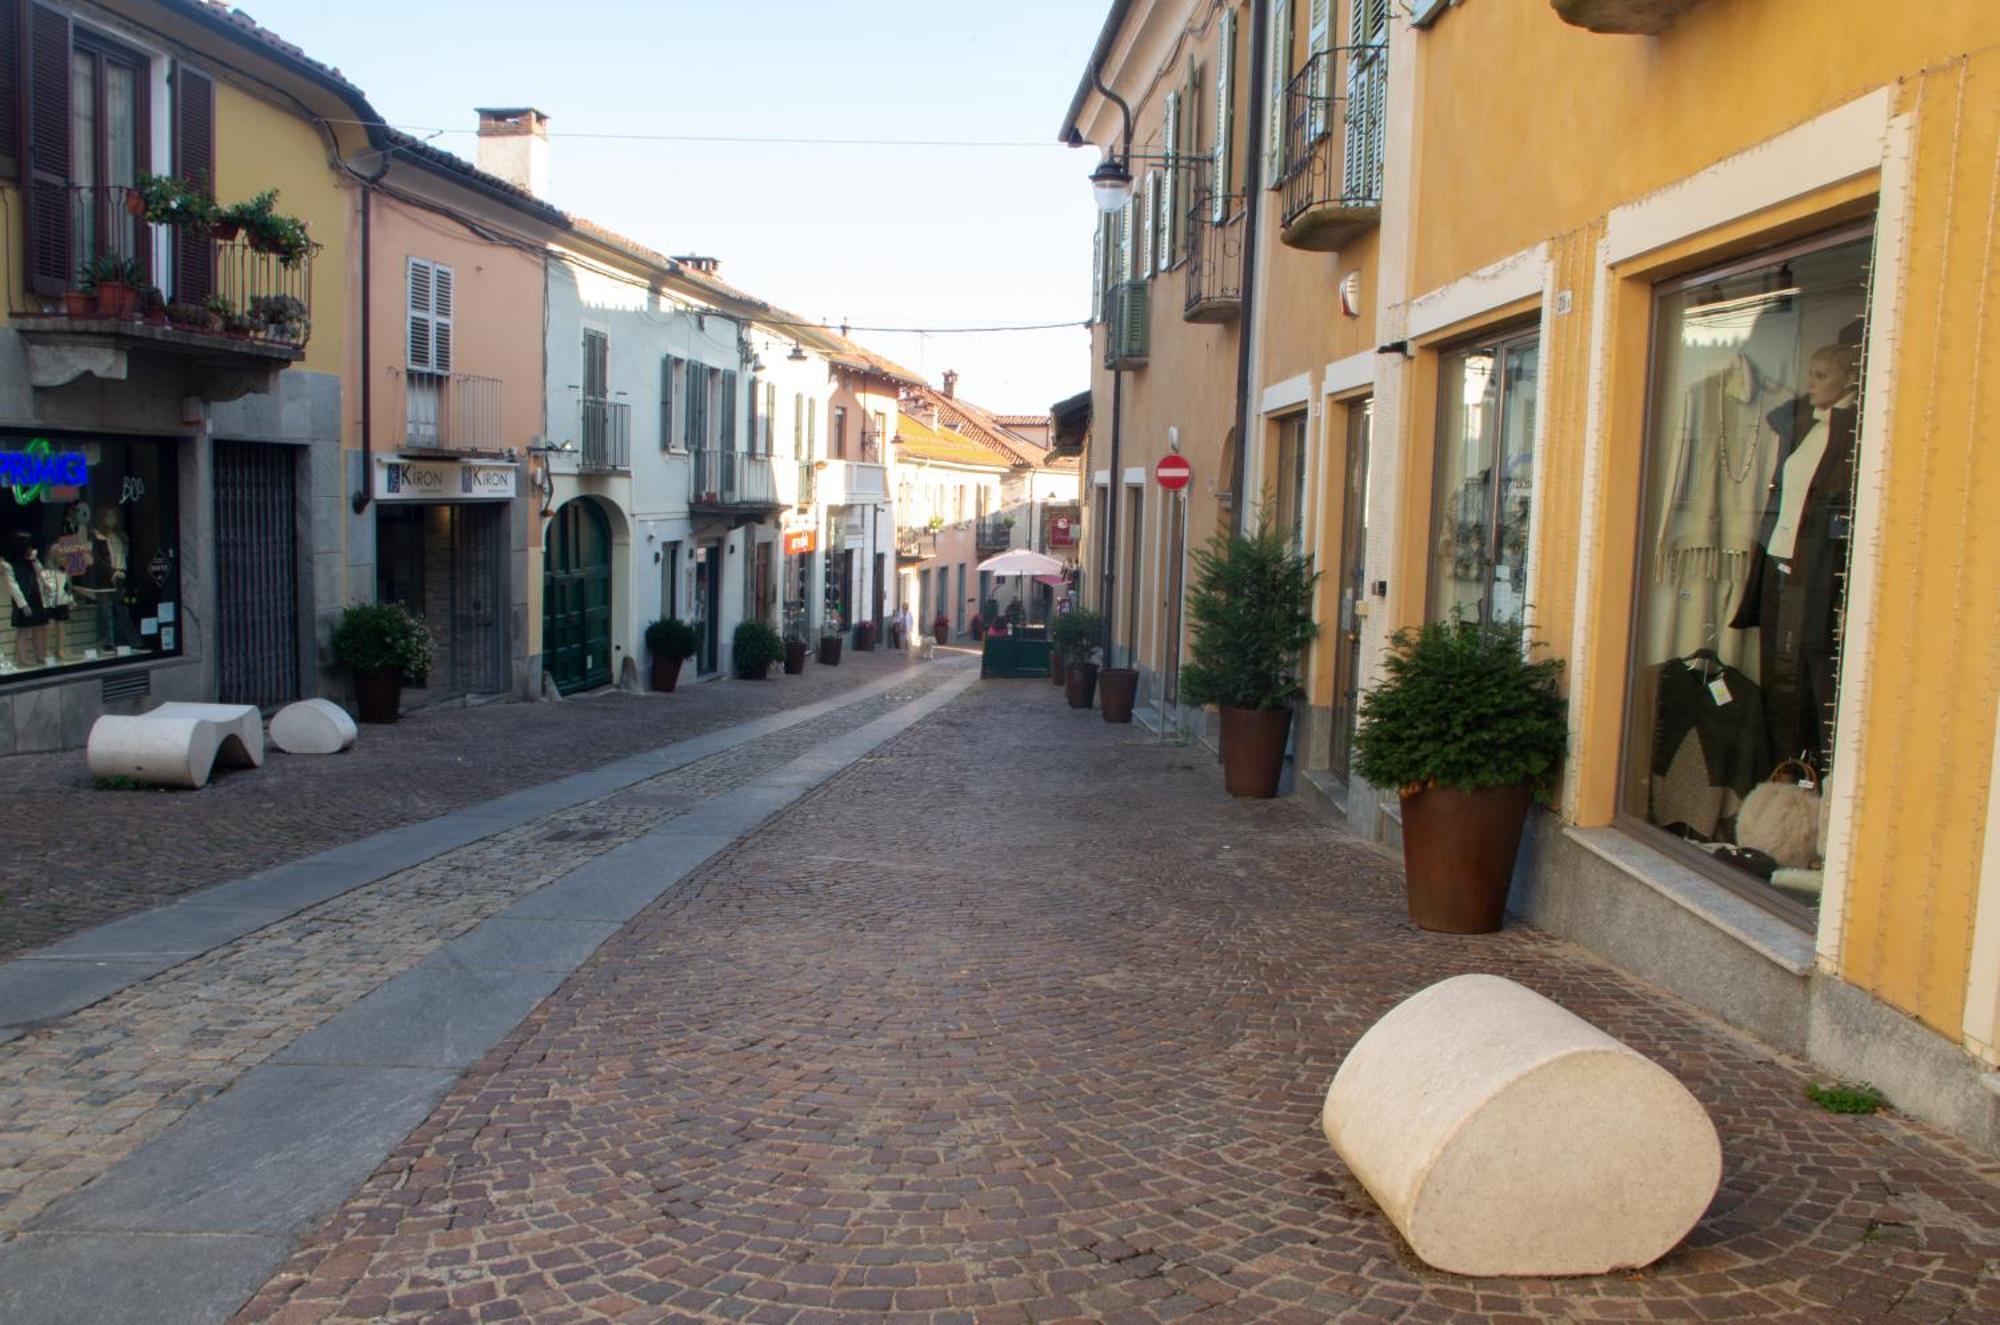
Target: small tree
(1251, 614)
(1463, 707)
(757, 644)
(671, 637)
(1075, 635)
(381, 637)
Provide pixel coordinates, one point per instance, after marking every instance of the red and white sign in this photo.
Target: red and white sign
(1062, 532)
(1172, 473)
(801, 541)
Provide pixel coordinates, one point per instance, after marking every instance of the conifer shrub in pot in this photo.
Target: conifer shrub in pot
(1470, 731)
(829, 644)
(1074, 637)
(756, 647)
(670, 642)
(381, 644)
(1250, 619)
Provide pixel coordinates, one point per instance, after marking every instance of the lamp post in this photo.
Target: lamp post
(1111, 186)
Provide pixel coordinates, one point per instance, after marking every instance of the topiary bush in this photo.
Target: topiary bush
(671, 637)
(756, 643)
(1251, 619)
(379, 637)
(1462, 706)
(1075, 634)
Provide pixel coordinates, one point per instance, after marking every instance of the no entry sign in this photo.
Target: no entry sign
(1172, 473)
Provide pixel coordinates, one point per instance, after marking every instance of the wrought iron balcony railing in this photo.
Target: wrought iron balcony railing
(733, 481)
(1215, 255)
(871, 445)
(1331, 176)
(446, 411)
(604, 433)
(808, 484)
(995, 534)
(916, 544)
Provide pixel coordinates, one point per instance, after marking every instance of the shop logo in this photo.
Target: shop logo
(474, 481)
(416, 478)
(39, 467)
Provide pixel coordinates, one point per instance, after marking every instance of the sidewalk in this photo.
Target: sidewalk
(77, 857)
(1022, 1020)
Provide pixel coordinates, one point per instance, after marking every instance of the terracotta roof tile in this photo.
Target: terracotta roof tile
(917, 440)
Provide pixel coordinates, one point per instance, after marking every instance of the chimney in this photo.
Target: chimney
(950, 384)
(700, 262)
(514, 144)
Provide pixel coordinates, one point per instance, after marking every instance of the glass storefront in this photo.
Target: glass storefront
(89, 552)
(1485, 480)
(1746, 526)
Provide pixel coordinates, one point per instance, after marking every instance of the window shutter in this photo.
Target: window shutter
(10, 91)
(1190, 140)
(194, 161)
(750, 416)
(728, 409)
(420, 345)
(798, 425)
(1319, 35)
(52, 267)
(441, 301)
(1170, 233)
(1225, 78)
(1361, 162)
(1097, 270)
(770, 414)
(1126, 217)
(1279, 75)
(812, 433)
(1148, 232)
(666, 402)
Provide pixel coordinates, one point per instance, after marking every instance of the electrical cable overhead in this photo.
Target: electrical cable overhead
(778, 140)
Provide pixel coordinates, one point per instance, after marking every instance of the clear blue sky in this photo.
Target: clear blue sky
(904, 236)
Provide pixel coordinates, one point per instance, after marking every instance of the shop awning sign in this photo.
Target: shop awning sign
(801, 541)
(443, 480)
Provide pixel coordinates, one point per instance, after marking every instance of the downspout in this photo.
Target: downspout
(1108, 573)
(364, 494)
(1253, 192)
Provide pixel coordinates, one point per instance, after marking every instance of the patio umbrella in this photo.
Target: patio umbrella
(1021, 562)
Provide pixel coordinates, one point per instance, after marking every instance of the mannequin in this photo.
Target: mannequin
(1793, 597)
(110, 556)
(23, 570)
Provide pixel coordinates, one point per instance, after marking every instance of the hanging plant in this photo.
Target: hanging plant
(168, 200)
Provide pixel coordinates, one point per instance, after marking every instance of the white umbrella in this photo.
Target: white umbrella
(1021, 562)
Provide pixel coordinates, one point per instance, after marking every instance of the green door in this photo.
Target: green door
(576, 598)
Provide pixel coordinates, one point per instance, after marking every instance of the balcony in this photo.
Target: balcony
(1215, 256)
(734, 483)
(852, 482)
(871, 445)
(995, 534)
(808, 485)
(1126, 309)
(916, 545)
(1331, 182)
(604, 436)
(233, 315)
(449, 413)
(1637, 17)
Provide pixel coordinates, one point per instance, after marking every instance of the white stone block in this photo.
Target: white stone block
(162, 752)
(313, 727)
(242, 722)
(1503, 1135)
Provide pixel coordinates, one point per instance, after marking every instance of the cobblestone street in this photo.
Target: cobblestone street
(1020, 1019)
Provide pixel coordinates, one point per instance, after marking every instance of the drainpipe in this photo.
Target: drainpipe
(364, 494)
(1108, 573)
(1253, 192)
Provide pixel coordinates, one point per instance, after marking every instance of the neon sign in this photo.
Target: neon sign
(31, 472)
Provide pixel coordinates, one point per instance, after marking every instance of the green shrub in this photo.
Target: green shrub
(170, 200)
(757, 644)
(1251, 618)
(1846, 1099)
(1463, 707)
(1076, 634)
(671, 637)
(376, 637)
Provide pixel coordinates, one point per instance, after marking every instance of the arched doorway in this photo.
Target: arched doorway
(576, 597)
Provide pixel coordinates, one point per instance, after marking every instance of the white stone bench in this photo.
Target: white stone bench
(1503, 1135)
(313, 727)
(176, 744)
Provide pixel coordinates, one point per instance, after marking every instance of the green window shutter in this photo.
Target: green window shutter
(1225, 79)
(1097, 269)
(1319, 37)
(729, 434)
(1125, 219)
(667, 402)
(798, 425)
(1148, 232)
(1170, 219)
(1279, 72)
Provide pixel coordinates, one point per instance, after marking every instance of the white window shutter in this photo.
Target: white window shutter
(1097, 270)
(441, 304)
(418, 355)
(1225, 78)
(1170, 233)
(1125, 219)
(1146, 229)
(1319, 37)
(1280, 72)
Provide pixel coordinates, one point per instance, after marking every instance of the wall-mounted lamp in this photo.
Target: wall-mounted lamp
(798, 354)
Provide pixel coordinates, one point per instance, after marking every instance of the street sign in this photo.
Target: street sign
(1172, 473)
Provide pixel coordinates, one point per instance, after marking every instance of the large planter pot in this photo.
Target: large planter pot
(1057, 667)
(666, 673)
(795, 657)
(1080, 684)
(829, 650)
(864, 637)
(1117, 687)
(1458, 855)
(1253, 750)
(379, 695)
(754, 672)
(941, 630)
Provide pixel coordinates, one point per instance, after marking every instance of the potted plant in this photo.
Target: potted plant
(1074, 635)
(977, 626)
(829, 642)
(153, 305)
(116, 282)
(1251, 618)
(192, 317)
(941, 628)
(170, 200)
(81, 301)
(795, 656)
(283, 315)
(381, 644)
(757, 646)
(864, 637)
(670, 642)
(1470, 731)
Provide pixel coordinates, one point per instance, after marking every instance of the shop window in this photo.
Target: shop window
(89, 558)
(1290, 480)
(1485, 480)
(1746, 528)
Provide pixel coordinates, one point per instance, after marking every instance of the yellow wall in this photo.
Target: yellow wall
(1504, 164)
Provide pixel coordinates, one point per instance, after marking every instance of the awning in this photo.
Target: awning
(1020, 562)
(1053, 581)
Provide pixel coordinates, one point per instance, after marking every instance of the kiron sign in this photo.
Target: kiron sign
(443, 480)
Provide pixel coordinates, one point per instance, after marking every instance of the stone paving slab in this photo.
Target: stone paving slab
(37, 989)
(1020, 1019)
(429, 1016)
(129, 1280)
(183, 929)
(508, 942)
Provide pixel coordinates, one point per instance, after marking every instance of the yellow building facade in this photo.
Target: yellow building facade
(1670, 343)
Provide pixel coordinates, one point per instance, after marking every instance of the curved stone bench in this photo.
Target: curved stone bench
(313, 727)
(177, 744)
(1503, 1135)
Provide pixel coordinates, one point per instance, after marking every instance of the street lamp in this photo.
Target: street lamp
(1111, 184)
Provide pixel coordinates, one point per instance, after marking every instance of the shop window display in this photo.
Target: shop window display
(1485, 480)
(1747, 524)
(89, 562)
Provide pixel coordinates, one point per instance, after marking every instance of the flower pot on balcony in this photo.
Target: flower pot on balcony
(1117, 687)
(116, 299)
(225, 231)
(829, 650)
(379, 694)
(795, 656)
(666, 673)
(1080, 684)
(135, 203)
(80, 303)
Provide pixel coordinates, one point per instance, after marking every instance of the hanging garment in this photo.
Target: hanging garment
(24, 592)
(1707, 754)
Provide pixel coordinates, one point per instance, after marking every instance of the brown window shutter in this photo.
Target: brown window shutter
(51, 264)
(10, 89)
(194, 161)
